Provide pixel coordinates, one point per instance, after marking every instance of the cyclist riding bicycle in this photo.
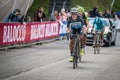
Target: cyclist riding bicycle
(98, 27)
(84, 15)
(75, 25)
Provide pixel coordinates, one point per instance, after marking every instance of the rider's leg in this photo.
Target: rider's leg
(94, 39)
(101, 36)
(71, 46)
(82, 40)
(82, 36)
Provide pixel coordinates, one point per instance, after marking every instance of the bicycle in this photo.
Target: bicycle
(77, 48)
(97, 43)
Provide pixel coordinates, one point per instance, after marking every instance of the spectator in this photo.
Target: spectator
(63, 23)
(68, 13)
(101, 14)
(94, 12)
(116, 22)
(63, 15)
(27, 18)
(113, 14)
(14, 16)
(107, 14)
(55, 16)
(39, 15)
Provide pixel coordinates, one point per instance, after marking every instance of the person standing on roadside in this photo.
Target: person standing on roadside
(14, 16)
(107, 14)
(94, 12)
(39, 15)
(63, 23)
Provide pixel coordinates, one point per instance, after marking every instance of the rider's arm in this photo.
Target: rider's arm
(93, 26)
(87, 26)
(68, 26)
(84, 26)
(103, 27)
(68, 30)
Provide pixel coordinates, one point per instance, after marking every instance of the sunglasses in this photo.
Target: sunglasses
(74, 13)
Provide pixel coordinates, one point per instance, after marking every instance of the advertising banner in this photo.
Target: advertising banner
(15, 33)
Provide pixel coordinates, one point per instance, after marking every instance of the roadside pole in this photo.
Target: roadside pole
(112, 5)
(14, 6)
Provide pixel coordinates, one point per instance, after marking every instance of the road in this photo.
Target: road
(50, 61)
(7, 6)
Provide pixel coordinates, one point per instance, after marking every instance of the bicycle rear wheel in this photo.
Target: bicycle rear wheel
(95, 49)
(98, 49)
(79, 52)
(98, 44)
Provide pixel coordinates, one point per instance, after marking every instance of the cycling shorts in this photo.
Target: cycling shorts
(74, 31)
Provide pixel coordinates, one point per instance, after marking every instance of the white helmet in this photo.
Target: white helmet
(74, 10)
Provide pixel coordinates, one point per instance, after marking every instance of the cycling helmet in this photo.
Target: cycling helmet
(74, 10)
(81, 9)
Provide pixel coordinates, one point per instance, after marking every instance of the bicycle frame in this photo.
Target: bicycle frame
(76, 50)
(97, 43)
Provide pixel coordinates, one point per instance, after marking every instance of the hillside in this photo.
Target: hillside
(87, 4)
(102, 4)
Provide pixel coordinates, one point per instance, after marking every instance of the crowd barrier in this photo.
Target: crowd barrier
(17, 33)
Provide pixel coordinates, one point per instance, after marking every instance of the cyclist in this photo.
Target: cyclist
(75, 24)
(84, 15)
(98, 26)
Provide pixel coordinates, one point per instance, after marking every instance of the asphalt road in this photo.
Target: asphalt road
(51, 62)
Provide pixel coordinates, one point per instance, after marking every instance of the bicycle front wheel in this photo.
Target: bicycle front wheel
(75, 57)
(74, 62)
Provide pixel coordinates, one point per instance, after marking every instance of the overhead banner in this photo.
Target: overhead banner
(15, 33)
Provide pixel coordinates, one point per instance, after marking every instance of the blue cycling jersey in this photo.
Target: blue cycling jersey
(98, 24)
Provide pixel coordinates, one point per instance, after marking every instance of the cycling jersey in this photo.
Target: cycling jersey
(75, 26)
(98, 24)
